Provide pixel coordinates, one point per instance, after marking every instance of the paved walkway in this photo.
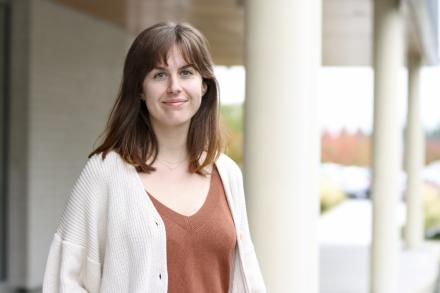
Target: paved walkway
(345, 237)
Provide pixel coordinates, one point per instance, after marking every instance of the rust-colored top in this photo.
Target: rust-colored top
(200, 247)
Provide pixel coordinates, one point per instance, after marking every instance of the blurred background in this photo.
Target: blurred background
(319, 78)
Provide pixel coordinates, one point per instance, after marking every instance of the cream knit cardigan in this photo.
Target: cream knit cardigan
(112, 239)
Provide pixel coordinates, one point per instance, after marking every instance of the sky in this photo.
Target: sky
(346, 94)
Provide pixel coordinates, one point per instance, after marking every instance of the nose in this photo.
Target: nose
(174, 85)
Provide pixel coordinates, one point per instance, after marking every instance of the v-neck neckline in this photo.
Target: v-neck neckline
(224, 179)
(178, 214)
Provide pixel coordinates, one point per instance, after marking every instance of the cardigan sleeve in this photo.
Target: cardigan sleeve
(76, 251)
(255, 277)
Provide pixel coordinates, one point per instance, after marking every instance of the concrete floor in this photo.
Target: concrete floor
(345, 236)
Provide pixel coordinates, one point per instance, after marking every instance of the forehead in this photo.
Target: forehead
(176, 54)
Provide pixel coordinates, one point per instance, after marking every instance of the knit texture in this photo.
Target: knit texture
(112, 239)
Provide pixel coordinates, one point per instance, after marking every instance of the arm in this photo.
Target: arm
(255, 277)
(73, 264)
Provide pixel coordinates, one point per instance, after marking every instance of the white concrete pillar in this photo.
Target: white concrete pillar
(414, 157)
(283, 49)
(388, 60)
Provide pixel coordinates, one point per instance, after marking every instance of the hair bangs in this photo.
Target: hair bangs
(160, 49)
(188, 53)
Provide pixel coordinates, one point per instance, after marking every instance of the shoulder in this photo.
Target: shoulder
(228, 166)
(102, 165)
(93, 181)
(98, 171)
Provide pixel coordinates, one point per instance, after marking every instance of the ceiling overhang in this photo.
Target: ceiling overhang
(347, 25)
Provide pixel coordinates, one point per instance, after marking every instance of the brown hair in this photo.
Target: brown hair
(129, 131)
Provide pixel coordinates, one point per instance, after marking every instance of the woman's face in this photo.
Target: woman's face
(173, 92)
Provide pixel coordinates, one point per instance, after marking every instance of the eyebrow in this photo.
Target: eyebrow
(183, 67)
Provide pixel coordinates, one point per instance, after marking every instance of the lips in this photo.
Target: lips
(174, 102)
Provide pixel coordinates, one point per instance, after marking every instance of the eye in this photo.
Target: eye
(159, 75)
(186, 72)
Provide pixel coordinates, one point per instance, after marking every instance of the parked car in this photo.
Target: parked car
(431, 173)
(354, 181)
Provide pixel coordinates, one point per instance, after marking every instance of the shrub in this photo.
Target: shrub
(431, 205)
(330, 195)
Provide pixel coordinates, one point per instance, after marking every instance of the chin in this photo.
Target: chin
(173, 120)
(177, 123)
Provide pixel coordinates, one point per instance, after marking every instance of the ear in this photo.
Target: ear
(204, 88)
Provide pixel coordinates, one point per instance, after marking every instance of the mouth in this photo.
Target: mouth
(174, 102)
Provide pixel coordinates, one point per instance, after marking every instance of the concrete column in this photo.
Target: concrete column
(414, 156)
(283, 55)
(388, 61)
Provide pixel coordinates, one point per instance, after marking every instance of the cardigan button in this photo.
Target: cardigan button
(160, 276)
(157, 224)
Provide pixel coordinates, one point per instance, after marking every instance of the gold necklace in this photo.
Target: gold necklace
(171, 165)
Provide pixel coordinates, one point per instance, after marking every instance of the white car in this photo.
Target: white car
(431, 173)
(353, 180)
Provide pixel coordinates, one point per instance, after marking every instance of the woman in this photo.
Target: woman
(158, 207)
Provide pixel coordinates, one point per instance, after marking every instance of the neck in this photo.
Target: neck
(172, 142)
